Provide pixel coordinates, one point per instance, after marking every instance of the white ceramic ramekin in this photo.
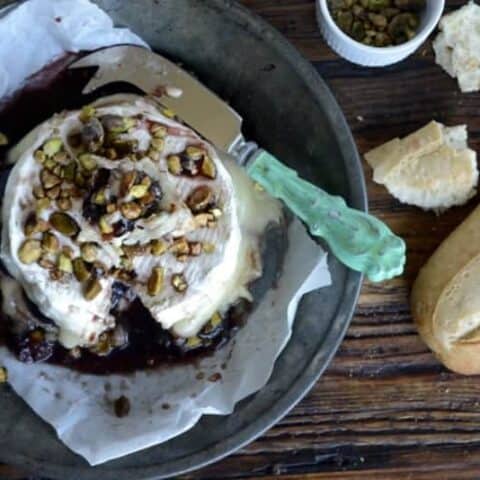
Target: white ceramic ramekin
(376, 56)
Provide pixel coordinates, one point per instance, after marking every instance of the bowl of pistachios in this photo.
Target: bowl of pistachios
(377, 33)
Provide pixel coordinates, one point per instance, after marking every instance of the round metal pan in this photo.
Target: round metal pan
(289, 110)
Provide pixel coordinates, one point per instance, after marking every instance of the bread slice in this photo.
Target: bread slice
(457, 46)
(432, 168)
(446, 299)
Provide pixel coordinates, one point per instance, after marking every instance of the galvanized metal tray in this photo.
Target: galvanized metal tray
(288, 109)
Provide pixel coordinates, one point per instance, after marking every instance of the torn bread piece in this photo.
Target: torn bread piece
(457, 46)
(432, 168)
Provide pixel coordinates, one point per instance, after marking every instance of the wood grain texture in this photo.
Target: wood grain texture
(385, 409)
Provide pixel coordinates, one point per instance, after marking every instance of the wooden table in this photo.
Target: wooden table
(385, 409)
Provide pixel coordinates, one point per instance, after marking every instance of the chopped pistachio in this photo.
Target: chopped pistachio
(87, 161)
(64, 224)
(179, 283)
(80, 269)
(33, 225)
(48, 179)
(30, 251)
(87, 113)
(39, 156)
(168, 113)
(180, 246)
(42, 204)
(38, 191)
(203, 219)
(111, 207)
(50, 164)
(46, 263)
(147, 199)
(131, 210)
(195, 153)
(60, 157)
(147, 181)
(155, 281)
(174, 164)
(193, 342)
(64, 204)
(127, 182)
(216, 212)
(138, 191)
(52, 146)
(64, 263)
(159, 131)
(157, 143)
(216, 319)
(200, 198)
(69, 171)
(207, 168)
(53, 193)
(79, 179)
(111, 153)
(117, 124)
(68, 251)
(158, 247)
(208, 247)
(133, 250)
(105, 227)
(57, 170)
(89, 251)
(126, 262)
(99, 198)
(50, 242)
(92, 288)
(153, 155)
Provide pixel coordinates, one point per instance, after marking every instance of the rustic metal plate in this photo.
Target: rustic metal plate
(287, 109)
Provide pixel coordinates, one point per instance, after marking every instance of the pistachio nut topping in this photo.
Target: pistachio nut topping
(119, 192)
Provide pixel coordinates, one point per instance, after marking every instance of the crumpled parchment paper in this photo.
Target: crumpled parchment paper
(168, 401)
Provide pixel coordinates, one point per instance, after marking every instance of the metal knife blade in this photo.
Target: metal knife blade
(198, 107)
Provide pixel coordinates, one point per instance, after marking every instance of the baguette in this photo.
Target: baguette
(445, 299)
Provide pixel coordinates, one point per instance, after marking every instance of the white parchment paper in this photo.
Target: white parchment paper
(168, 401)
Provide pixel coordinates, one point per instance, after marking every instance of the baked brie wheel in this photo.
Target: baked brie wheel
(120, 193)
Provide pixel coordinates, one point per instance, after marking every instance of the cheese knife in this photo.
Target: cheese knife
(357, 239)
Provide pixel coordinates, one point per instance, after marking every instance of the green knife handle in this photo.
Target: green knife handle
(360, 241)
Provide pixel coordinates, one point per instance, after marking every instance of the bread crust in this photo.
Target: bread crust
(443, 272)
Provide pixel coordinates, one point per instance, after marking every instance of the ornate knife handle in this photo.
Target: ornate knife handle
(357, 239)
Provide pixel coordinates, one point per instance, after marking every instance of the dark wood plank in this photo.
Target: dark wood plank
(385, 409)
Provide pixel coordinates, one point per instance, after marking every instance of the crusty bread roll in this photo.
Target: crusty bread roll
(446, 299)
(432, 168)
